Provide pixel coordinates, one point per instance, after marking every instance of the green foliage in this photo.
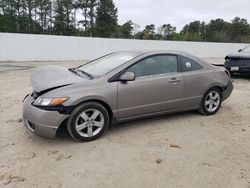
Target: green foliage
(126, 30)
(166, 32)
(8, 23)
(149, 32)
(217, 31)
(98, 18)
(88, 9)
(64, 18)
(239, 30)
(106, 19)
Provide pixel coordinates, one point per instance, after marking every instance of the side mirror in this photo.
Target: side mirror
(240, 50)
(127, 76)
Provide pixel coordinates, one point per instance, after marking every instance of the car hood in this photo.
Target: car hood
(52, 76)
(239, 55)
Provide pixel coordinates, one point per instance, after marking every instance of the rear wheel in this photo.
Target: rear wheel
(88, 122)
(211, 102)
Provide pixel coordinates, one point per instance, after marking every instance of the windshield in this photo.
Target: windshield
(107, 63)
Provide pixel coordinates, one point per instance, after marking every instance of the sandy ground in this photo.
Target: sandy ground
(180, 150)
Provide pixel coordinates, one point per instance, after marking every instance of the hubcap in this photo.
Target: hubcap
(89, 123)
(212, 101)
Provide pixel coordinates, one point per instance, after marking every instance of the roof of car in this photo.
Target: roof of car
(177, 52)
(152, 52)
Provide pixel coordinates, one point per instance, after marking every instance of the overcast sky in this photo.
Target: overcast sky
(180, 12)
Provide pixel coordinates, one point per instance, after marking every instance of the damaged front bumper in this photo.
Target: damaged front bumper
(41, 122)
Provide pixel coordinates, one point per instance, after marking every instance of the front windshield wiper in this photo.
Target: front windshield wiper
(83, 72)
(73, 70)
(76, 71)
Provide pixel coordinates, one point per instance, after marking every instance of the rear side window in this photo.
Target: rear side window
(188, 64)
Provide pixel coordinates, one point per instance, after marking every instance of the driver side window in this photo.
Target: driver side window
(155, 65)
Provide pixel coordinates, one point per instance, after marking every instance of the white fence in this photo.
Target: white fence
(26, 47)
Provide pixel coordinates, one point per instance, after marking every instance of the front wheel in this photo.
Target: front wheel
(88, 122)
(211, 102)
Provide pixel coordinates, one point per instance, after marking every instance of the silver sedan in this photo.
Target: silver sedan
(121, 86)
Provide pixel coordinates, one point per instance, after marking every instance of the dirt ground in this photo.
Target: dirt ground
(180, 150)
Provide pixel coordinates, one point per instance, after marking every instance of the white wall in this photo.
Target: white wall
(24, 47)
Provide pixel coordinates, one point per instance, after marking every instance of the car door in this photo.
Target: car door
(195, 79)
(157, 87)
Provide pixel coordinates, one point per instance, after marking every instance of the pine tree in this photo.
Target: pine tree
(60, 17)
(83, 6)
(92, 5)
(106, 19)
(64, 17)
(87, 8)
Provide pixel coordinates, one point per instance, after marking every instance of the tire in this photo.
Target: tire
(88, 122)
(211, 102)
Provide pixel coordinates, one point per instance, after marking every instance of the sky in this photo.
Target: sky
(179, 12)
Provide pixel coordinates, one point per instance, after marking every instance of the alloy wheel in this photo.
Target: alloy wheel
(89, 123)
(212, 101)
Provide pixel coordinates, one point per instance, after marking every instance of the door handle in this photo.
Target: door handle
(174, 80)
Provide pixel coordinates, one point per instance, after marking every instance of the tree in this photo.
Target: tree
(149, 32)
(239, 29)
(29, 8)
(68, 8)
(99, 18)
(43, 12)
(126, 30)
(83, 5)
(216, 31)
(166, 31)
(60, 17)
(2, 7)
(87, 8)
(92, 6)
(136, 28)
(193, 31)
(106, 19)
(8, 17)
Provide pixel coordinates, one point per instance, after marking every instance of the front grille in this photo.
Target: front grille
(239, 63)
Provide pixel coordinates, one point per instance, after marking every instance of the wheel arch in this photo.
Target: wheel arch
(102, 102)
(218, 86)
(201, 108)
(62, 127)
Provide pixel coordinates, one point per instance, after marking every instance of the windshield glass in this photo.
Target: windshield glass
(107, 63)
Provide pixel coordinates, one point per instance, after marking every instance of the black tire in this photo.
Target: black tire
(203, 109)
(71, 124)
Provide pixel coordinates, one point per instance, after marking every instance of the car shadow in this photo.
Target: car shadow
(149, 121)
(64, 136)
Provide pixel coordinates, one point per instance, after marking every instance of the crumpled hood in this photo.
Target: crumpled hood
(53, 76)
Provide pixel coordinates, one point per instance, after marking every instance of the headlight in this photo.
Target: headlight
(40, 101)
